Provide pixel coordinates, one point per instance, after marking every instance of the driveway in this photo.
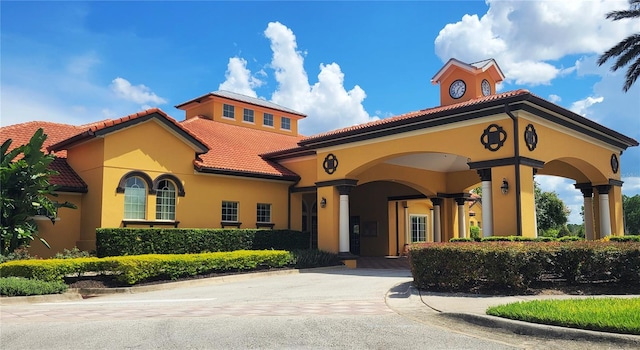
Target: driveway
(314, 309)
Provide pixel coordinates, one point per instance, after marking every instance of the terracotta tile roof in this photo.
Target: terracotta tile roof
(415, 114)
(67, 179)
(20, 134)
(109, 125)
(237, 149)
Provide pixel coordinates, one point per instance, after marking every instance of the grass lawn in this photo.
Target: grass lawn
(619, 315)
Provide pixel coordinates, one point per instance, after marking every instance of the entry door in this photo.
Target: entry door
(354, 235)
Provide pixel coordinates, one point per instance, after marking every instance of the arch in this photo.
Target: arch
(176, 181)
(135, 173)
(573, 168)
(432, 161)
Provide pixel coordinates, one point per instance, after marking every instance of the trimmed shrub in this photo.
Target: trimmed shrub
(514, 266)
(138, 241)
(134, 269)
(314, 258)
(18, 286)
(461, 239)
(627, 238)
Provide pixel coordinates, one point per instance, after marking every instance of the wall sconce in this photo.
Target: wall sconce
(323, 202)
(505, 186)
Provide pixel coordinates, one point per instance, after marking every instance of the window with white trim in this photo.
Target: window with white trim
(267, 119)
(263, 213)
(285, 123)
(135, 199)
(228, 111)
(166, 201)
(248, 115)
(418, 228)
(229, 211)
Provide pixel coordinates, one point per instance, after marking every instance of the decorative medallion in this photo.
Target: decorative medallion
(530, 137)
(493, 137)
(614, 163)
(330, 163)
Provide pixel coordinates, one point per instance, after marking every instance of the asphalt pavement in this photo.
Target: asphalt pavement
(460, 313)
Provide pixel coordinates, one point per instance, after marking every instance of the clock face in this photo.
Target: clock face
(457, 89)
(486, 88)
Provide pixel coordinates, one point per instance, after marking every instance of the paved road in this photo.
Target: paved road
(330, 308)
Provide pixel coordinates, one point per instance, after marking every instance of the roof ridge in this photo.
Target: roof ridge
(425, 111)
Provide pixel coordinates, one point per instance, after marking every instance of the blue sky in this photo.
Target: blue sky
(341, 63)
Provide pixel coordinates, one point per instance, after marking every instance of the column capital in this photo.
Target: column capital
(603, 189)
(460, 201)
(586, 188)
(436, 201)
(344, 189)
(485, 174)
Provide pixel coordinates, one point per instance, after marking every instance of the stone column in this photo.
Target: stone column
(605, 217)
(587, 193)
(462, 219)
(437, 227)
(431, 225)
(487, 203)
(343, 223)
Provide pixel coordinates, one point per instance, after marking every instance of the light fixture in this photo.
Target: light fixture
(323, 202)
(505, 186)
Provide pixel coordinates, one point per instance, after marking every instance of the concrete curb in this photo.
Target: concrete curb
(70, 295)
(526, 328)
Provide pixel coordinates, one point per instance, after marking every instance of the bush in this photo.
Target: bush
(18, 254)
(628, 238)
(139, 241)
(134, 269)
(461, 239)
(514, 266)
(72, 254)
(18, 286)
(474, 233)
(314, 258)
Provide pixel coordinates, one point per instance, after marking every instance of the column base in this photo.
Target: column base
(349, 260)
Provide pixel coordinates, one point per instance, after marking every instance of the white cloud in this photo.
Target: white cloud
(525, 37)
(631, 185)
(554, 98)
(581, 106)
(327, 103)
(135, 93)
(239, 78)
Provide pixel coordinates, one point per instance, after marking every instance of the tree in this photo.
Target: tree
(25, 192)
(628, 50)
(550, 210)
(631, 210)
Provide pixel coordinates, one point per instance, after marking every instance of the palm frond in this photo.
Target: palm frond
(632, 75)
(619, 49)
(630, 53)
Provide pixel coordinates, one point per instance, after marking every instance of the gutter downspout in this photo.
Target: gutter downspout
(516, 149)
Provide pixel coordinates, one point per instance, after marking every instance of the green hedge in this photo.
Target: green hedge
(18, 286)
(138, 241)
(628, 238)
(518, 239)
(515, 266)
(134, 269)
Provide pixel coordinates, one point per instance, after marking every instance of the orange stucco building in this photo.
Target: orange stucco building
(237, 161)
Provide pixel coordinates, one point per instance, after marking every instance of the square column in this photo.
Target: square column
(587, 193)
(603, 208)
(487, 203)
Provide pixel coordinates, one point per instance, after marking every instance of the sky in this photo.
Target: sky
(341, 63)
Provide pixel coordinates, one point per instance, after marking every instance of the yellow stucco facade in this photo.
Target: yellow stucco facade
(363, 190)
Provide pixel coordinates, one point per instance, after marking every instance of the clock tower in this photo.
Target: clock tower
(461, 82)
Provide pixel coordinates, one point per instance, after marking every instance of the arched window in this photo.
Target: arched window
(135, 199)
(166, 200)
